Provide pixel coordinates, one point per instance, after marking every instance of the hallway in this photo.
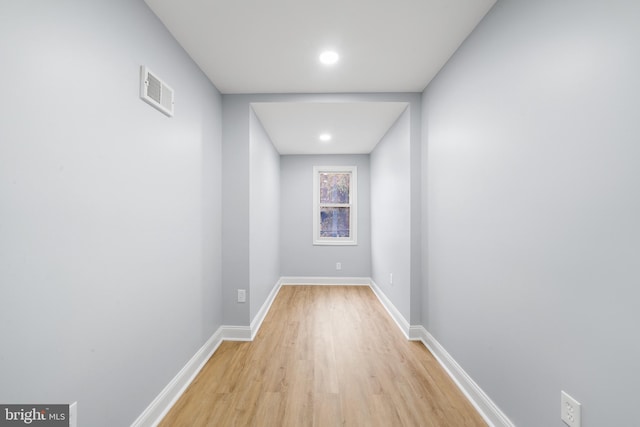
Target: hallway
(325, 356)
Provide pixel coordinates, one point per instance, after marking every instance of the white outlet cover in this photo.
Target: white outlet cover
(73, 414)
(570, 410)
(242, 295)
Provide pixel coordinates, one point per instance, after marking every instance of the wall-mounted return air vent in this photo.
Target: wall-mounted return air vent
(155, 92)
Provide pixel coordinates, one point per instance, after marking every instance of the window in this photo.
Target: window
(334, 205)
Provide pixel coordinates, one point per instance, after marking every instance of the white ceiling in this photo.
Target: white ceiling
(272, 46)
(356, 127)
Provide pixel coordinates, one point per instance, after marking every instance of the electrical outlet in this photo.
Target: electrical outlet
(73, 414)
(570, 410)
(338, 266)
(391, 278)
(242, 295)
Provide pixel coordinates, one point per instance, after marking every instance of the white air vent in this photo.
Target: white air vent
(155, 92)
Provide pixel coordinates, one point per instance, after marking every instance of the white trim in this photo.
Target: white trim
(161, 405)
(416, 333)
(478, 398)
(352, 240)
(309, 280)
(236, 333)
(391, 309)
(262, 313)
(73, 414)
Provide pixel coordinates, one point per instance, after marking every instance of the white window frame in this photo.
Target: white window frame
(353, 206)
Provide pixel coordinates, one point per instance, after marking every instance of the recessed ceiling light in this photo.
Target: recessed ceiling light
(325, 137)
(329, 57)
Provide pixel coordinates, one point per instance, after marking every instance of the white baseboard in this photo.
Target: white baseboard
(262, 313)
(478, 398)
(307, 280)
(154, 413)
(391, 309)
(236, 333)
(161, 405)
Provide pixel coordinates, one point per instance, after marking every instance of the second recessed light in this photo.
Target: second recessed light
(329, 57)
(325, 137)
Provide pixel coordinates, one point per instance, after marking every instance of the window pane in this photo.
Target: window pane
(334, 222)
(334, 187)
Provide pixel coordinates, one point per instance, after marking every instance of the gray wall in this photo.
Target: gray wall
(109, 210)
(408, 153)
(299, 257)
(235, 208)
(236, 196)
(391, 214)
(533, 207)
(264, 221)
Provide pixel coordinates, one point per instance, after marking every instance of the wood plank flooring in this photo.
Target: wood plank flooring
(324, 356)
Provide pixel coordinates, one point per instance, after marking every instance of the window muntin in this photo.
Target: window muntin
(334, 207)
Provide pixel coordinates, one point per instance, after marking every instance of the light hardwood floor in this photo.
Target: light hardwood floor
(324, 356)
